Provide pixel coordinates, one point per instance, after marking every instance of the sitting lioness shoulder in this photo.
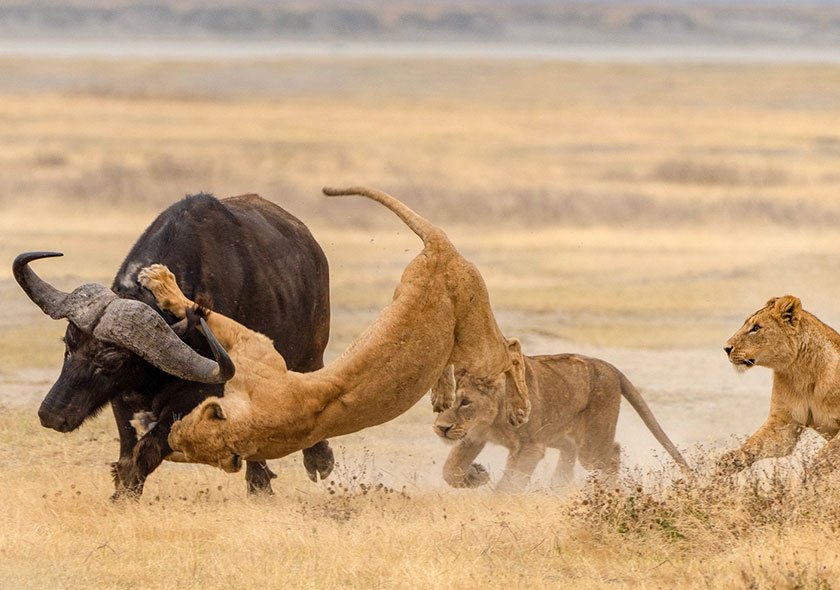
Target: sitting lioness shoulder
(804, 354)
(575, 402)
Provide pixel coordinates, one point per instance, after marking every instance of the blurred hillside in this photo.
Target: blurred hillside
(778, 23)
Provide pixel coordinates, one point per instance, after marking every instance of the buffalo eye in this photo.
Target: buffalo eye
(109, 360)
(71, 337)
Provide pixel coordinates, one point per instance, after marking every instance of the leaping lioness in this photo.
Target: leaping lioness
(440, 317)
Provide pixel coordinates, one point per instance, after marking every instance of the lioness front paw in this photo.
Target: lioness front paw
(160, 281)
(518, 415)
(443, 392)
(732, 462)
(475, 476)
(439, 404)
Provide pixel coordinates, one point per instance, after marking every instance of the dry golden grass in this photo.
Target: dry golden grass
(634, 212)
(194, 527)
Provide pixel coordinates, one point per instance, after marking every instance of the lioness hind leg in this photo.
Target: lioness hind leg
(606, 460)
(564, 472)
(520, 465)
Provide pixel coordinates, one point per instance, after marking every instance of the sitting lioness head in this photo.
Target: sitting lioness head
(202, 437)
(769, 337)
(479, 400)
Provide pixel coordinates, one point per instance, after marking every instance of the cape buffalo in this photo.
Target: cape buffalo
(255, 262)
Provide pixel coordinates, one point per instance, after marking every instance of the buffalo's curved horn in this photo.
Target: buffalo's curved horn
(45, 296)
(139, 328)
(226, 367)
(83, 306)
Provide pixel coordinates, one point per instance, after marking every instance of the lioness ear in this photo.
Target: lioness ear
(789, 309)
(213, 411)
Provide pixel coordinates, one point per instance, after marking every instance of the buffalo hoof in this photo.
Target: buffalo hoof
(259, 477)
(126, 485)
(319, 460)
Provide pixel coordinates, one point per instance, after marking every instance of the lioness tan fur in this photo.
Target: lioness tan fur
(804, 355)
(440, 317)
(574, 408)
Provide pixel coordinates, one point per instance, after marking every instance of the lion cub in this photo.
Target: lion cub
(574, 408)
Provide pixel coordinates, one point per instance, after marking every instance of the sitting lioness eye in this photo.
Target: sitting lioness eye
(755, 328)
(465, 402)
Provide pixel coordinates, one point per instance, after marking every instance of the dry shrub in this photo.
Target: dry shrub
(355, 486)
(753, 515)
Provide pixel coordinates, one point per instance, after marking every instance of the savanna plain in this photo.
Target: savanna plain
(637, 213)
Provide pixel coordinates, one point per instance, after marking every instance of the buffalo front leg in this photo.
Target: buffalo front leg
(459, 471)
(259, 476)
(123, 470)
(149, 452)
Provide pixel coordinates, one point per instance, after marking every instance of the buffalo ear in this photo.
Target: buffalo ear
(789, 309)
(213, 411)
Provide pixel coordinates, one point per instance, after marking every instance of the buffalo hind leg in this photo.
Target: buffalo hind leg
(319, 460)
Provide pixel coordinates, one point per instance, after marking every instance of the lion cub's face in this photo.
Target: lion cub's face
(769, 337)
(201, 436)
(476, 406)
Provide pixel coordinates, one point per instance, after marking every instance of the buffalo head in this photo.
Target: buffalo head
(106, 338)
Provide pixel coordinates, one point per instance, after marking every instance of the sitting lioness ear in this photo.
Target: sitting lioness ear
(213, 411)
(789, 309)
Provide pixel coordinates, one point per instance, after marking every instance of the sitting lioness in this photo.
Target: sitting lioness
(804, 354)
(574, 408)
(440, 318)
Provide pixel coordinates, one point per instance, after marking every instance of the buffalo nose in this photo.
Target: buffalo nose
(727, 350)
(51, 420)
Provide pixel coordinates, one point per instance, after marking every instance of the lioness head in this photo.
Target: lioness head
(769, 337)
(203, 437)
